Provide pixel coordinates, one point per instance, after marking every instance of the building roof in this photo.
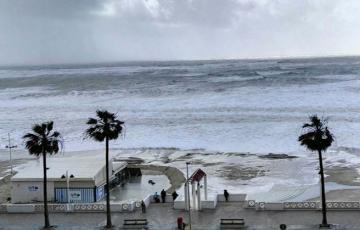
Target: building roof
(197, 175)
(82, 167)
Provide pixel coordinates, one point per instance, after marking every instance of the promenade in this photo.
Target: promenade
(163, 216)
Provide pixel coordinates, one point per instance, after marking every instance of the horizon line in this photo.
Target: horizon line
(176, 60)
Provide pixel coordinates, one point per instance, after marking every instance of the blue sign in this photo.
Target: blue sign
(100, 193)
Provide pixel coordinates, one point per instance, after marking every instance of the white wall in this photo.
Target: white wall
(147, 200)
(100, 177)
(208, 204)
(232, 197)
(168, 199)
(274, 206)
(75, 184)
(28, 192)
(20, 208)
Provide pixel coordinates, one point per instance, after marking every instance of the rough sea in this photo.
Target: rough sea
(230, 106)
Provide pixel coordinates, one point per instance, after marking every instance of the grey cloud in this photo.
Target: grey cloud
(48, 9)
(189, 12)
(51, 31)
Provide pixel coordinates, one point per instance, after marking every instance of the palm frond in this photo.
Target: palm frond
(31, 136)
(317, 136)
(310, 135)
(33, 147)
(316, 122)
(307, 125)
(42, 140)
(49, 127)
(38, 129)
(92, 121)
(106, 125)
(55, 135)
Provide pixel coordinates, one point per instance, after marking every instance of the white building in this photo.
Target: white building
(86, 177)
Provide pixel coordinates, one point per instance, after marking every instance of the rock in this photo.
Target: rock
(274, 156)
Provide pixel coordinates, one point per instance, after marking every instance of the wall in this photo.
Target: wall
(123, 206)
(100, 177)
(20, 208)
(77, 195)
(274, 206)
(232, 197)
(75, 184)
(168, 199)
(28, 192)
(147, 200)
(209, 203)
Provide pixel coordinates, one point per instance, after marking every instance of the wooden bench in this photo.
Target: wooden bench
(232, 223)
(135, 224)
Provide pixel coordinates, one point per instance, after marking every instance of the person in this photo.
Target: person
(174, 195)
(163, 195)
(226, 195)
(143, 207)
(179, 223)
(156, 197)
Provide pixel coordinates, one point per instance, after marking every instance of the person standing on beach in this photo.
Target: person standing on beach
(163, 195)
(226, 195)
(143, 207)
(174, 195)
(156, 197)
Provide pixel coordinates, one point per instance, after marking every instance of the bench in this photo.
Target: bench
(232, 223)
(135, 224)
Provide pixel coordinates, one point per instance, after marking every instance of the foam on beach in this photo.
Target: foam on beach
(221, 115)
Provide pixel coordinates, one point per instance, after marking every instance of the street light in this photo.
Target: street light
(10, 147)
(188, 192)
(67, 177)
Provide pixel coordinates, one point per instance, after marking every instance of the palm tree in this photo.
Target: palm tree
(317, 137)
(105, 127)
(41, 141)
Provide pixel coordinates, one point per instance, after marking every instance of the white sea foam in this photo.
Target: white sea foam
(226, 106)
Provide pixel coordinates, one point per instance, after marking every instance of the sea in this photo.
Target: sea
(217, 106)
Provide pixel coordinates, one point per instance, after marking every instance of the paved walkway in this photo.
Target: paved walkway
(162, 216)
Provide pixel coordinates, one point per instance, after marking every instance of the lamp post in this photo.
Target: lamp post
(188, 192)
(10, 147)
(67, 177)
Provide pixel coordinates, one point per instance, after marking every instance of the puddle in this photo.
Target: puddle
(138, 188)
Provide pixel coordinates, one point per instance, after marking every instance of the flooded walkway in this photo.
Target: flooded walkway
(138, 188)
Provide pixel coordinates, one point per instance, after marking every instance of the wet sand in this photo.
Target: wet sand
(343, 176)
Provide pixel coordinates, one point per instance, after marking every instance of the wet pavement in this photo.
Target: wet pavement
(163, 216)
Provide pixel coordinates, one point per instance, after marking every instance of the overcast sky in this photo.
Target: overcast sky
(67, 31)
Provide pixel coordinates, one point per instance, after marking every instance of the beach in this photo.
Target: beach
(244, 109)
(238, 120)
(248, 178)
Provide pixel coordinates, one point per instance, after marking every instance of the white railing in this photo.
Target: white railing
(232, 197)
(288, 206)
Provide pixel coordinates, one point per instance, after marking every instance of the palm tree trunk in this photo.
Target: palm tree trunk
(46, 212)
(323, 198)
(107, 187)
